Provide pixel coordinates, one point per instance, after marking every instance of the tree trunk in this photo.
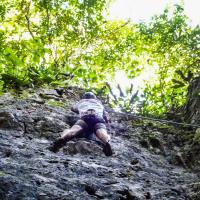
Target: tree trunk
(191, 110)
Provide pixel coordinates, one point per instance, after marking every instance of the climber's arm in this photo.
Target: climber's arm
(106, 116)
(74, 108)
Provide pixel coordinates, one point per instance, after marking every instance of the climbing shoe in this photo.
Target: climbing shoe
(107, 149)
(57, 144)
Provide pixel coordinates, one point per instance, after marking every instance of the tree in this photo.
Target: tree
(191, 109)
(172, 45)
(67, 43)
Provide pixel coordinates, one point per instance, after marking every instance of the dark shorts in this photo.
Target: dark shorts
(91, 123)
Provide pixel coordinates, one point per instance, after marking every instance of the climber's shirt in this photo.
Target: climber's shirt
(91, 113)
(90, 107)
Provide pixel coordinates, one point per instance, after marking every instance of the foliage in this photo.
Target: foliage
(70, 43)
(47, 38)
(174, 47)
(2, 173)
(56, 103)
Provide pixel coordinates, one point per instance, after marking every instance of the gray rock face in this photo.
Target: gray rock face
(138, 170)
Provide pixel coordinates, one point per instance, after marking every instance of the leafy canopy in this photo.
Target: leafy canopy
(71, 43)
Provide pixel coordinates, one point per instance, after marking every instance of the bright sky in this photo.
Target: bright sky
(143, 10)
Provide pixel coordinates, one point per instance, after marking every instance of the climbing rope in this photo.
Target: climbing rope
(161, 120)
(169, 121)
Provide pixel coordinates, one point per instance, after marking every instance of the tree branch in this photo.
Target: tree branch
(111, 92)
(28, 26)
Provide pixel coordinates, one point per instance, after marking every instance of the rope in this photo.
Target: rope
(162, 120)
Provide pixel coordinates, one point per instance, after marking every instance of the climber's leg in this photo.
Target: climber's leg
(67, 135)
(102, 134)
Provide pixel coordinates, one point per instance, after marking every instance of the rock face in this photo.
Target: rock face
(146, 163)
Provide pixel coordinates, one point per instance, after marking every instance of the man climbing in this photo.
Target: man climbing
(92, 119)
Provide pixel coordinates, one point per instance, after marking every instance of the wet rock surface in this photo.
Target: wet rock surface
(146, 163)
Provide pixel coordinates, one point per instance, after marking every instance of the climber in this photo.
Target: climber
(92, 119)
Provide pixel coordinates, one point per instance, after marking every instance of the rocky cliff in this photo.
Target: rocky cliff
(148, 161)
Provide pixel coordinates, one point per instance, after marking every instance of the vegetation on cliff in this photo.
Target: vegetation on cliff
(60, 43)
